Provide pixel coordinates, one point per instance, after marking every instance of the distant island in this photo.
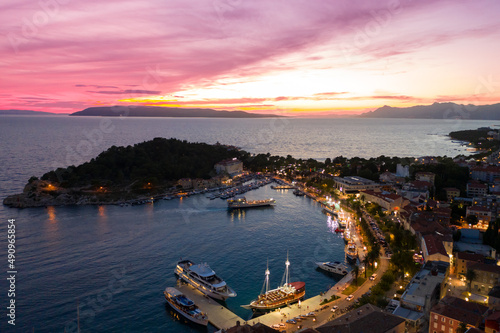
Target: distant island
(27, 113)
(438, 111)
(160, 111)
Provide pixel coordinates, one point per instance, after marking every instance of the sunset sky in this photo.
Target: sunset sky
(302, 58)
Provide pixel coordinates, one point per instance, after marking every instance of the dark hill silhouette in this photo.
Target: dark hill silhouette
(161, 111)
(438, 111)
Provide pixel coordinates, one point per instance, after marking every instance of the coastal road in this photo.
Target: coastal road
(323, 313)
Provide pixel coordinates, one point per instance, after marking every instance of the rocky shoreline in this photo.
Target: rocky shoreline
(39, 193)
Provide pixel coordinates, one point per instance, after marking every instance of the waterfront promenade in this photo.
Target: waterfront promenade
(222, 318)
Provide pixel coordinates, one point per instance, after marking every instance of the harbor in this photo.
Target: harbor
(222, 318)
(310, 312)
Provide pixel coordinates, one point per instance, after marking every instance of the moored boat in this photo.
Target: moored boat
(203, 278)
(335, 267)
(184, 306)
(351, 252)
(242, 202)
(287, 293)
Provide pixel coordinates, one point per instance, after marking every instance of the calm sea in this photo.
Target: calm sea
(116, 261)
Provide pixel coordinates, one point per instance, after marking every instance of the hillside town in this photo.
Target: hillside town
(452, 282)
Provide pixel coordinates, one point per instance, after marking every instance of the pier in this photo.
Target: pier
(218, 315)
(222, 318)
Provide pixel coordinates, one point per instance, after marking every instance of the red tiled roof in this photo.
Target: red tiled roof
(420, 184)
(476, 184)
(434, 244)
(229, 161)
(479, 266)
(459, 309)
(488, 168)
(470, 256)
(478, 209)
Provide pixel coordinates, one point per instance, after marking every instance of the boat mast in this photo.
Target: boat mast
(267, 276)
(266, 281)
(287, 263)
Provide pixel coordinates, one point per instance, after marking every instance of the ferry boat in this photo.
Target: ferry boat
(335, 267)
(184, 306)
(351, 252)
(287, 293)
(203, 278)
(242, 202)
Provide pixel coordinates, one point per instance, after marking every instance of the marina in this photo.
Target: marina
(222, 318)
(203, 278)
(184, 306)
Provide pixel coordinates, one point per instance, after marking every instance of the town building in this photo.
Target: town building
(462, 258)
(450, 312)
(486, 277)
(451, 193)
(494, 298)
(433, 248)
(492, 322)
(476, 189)
(471, 240)
(367, 318)
(415, 189)
(354, 184)
(483, 215)
(232, 167)
(390, 178)
(425, 177)
(402, 170)
(485, 173)
(426, 287)
(388, 201)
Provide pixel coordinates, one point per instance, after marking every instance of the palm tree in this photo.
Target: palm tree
(470, 276)
(355, 272)
(366, 262)
(462, 327)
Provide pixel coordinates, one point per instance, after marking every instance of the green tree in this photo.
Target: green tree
(472, 219)
(462, 328)
(366, 262)
(355, 272)
(470, 275)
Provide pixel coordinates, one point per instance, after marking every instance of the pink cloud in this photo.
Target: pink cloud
(167, 47)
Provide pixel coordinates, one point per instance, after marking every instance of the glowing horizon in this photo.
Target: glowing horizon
(291, 58)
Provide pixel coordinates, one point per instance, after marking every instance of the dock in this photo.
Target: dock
(223, 318)
(218, 315)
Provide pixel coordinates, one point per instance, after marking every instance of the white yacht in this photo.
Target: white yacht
(335, 267)
(184, 306)
(242, 202)
(203, 278)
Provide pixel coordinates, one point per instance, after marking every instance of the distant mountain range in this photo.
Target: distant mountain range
(160, 111)
(438, 111)
(26, 113)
